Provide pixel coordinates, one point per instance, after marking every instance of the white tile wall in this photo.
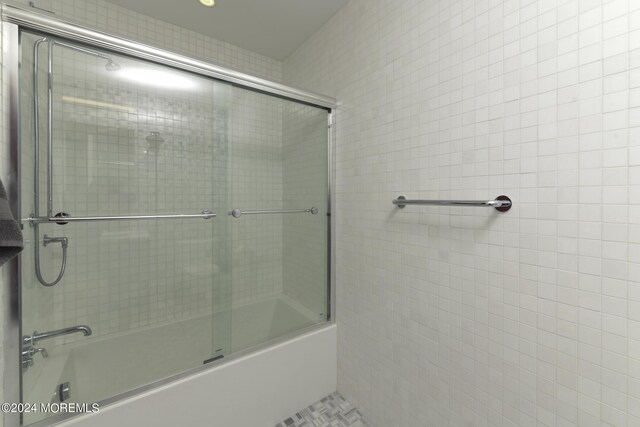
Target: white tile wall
(451, 316)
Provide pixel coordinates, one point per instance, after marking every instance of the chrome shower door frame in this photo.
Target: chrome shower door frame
(11, 275)
(14, 20)
(67, 30)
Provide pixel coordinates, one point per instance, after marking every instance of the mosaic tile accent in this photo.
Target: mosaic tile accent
(332, 411)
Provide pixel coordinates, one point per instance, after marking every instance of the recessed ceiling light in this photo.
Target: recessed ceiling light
(208, 3)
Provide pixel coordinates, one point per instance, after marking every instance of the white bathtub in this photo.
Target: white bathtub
(255, 390)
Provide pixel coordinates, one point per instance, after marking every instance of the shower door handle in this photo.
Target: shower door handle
(237, 213)
(205, 214)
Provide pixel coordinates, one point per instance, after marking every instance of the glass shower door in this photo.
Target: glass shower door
(279, 227)
(128, 138)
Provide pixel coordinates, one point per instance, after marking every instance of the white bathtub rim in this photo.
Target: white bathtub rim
(142, 392)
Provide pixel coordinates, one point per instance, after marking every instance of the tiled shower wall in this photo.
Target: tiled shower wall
(451, 316)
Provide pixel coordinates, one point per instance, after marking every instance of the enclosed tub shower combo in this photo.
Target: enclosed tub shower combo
(176, 214)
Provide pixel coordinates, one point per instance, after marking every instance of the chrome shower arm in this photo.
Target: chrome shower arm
(84, 50)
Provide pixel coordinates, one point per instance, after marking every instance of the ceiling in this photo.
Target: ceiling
(274, 28)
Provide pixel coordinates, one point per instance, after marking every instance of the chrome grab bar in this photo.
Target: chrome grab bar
(237, 213)
(501, 203)
(206, 214)
(37, 336)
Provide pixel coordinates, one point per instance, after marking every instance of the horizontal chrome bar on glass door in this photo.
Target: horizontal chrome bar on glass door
(237, 213)
(501, 203)
(206, 214)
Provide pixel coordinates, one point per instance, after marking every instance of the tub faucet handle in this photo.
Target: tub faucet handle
(32, 351)
(28, 353)
(42, 351)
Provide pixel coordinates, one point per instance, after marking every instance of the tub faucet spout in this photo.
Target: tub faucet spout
(37, 336)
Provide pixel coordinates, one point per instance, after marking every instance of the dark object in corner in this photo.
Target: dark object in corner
(10, 235)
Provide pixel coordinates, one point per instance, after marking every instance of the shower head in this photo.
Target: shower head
(154, 142)
(112, 66)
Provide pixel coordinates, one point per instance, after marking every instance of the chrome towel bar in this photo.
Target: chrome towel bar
(501, 203)
(206, 214)
(237, 213)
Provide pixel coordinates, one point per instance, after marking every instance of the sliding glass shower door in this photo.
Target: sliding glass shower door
(125, 138)
(279, 180)
(171, 221)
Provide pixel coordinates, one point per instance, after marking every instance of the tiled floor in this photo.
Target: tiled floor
(332, 411)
